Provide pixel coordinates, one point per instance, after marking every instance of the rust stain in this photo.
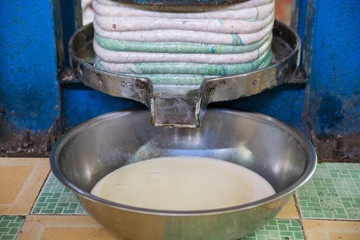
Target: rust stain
(94, 174)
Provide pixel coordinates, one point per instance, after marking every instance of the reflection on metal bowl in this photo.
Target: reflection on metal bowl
(265, 145)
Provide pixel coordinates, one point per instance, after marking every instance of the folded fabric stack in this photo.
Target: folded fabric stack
(182, 45)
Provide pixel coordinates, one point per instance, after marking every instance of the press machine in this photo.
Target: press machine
(40, 98)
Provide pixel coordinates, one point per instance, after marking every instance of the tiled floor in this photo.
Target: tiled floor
(20, 183)
(332, 192)
(10, 226)
(60, 227)
(278, 229)
(319, 229)
(54, 198)
(36, 206)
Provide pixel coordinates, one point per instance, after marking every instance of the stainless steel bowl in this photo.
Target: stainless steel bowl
(265, 145)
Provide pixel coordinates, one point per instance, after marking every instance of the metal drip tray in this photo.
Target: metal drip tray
(184, 106)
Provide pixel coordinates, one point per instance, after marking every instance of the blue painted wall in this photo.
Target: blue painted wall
(334, 82)
(284, 103)
(28, 85)
(81, 104)
(70, 24)
(287, 103)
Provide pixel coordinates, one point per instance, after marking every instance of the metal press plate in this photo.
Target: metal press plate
(184, 106)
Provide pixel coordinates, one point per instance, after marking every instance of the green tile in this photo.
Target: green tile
(340, 216)
(73, 205)
(42, 199)
(8, 237)
(278, 229)
(272, 223)
(327, 209)
(14, 224)
(58, 210)
(308, 210)
(274, 234)
(315, 205)
(55, 198)
(56, 195)
(354, 215)
(10, 226)
(4, 223)
(285, 233)
(69, 211)
(41, 205)
(293, 228)
(262, 232)
(298, 234)
(46, 211)
(340, 210)
(14, 231)
(51, 205)
(36, 210)
(328, 215)
(271, 228)
(336, 194)
(282, 227)
(63, 204)
(318, 215)
(284, 221)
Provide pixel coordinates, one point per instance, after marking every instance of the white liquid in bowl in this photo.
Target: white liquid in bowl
(183, 183)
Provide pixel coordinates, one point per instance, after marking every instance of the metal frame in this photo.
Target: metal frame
(184, 106)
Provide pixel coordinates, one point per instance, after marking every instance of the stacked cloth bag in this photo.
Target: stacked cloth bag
(182, 45)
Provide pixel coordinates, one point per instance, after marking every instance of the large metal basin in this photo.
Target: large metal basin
(272, 149)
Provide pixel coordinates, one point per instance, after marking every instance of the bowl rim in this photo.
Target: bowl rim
(300, 137)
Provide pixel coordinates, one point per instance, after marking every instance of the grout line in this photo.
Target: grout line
(300, 216)
(26, 183)
(38, 195)
(332, 219)
(25, 216)
(22, 224)
(33, 204)
(297, 205)
(302, 229)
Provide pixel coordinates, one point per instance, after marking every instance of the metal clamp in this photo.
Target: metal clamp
(184, 106)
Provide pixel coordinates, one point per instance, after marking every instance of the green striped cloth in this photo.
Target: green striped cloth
(175, 47)
(170, 73)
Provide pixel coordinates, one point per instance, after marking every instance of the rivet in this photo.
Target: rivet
(254, 82)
